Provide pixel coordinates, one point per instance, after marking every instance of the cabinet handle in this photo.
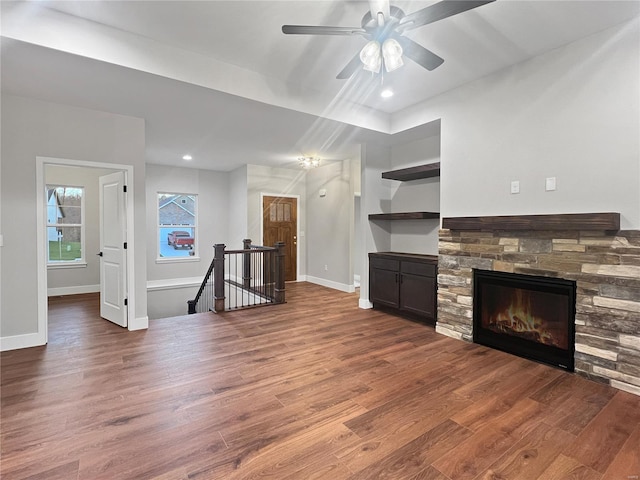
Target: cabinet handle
(397, 278)
(401, 279)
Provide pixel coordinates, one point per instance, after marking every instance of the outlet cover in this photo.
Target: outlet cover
(550, 184)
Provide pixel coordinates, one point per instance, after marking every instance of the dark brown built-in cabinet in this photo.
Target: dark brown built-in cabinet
(405, 282)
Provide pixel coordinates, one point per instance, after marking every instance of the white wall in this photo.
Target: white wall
(375, 198)
(212, 189)
(33, 128)
(572, 113)
(169, 300)
(330, 225)
(168, 294)
(275, 181)
(358, 243)
(415, 236)
(65, 281)
(1, 223)
(238, 209)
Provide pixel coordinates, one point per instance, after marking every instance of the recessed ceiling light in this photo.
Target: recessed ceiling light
(386, 93)
(187, 157)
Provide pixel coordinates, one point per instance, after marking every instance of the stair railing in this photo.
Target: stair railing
(243, 278)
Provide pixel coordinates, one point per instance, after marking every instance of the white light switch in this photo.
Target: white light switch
(515, 186)
(550, 184)
(1, 240)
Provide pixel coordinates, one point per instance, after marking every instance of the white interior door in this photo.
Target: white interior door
(113, 253)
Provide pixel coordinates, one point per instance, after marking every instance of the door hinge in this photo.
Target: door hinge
(126, 302)
(124, 188)
(125, 245)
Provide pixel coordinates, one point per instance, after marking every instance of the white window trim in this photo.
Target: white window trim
(191, 258)
(82, 261)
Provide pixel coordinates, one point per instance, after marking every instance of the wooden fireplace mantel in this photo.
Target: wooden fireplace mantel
(565, 221)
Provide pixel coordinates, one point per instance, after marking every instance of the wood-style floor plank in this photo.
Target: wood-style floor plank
(313, 389)
(531, 456)
(626, 463)
(603, 438)
(566, 468)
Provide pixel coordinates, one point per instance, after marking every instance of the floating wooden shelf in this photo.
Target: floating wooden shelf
(414, 173)
(565, 221)
(404, 216)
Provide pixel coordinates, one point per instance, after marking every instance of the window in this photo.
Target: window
(177, 224)
(65, 224)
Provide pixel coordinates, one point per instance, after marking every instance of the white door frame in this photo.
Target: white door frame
(41, 162)
(261, 241)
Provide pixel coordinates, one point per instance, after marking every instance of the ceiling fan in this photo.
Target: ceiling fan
(384, 25)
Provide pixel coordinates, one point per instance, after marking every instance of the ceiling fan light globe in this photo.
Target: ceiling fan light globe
(373, 67)
(371, 57)
(392, 53)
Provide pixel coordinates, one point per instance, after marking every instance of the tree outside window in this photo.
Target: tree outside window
(177, 224)
(65, 224)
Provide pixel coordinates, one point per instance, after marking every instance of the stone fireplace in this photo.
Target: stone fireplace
(603, 262)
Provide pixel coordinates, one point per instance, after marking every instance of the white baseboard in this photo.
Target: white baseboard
(139, 323)
(301, 278)
(21, 341)
(364, 303)
(343, 287)
(57, 291)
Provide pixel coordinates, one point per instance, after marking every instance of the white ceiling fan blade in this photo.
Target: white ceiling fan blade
(377, 6)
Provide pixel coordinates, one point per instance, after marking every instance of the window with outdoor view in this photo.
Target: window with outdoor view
(177, 224)
(65, 224)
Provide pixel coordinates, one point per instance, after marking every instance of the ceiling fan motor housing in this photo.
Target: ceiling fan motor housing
(380, 32)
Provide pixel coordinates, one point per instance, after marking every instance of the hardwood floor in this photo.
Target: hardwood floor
(314, 389)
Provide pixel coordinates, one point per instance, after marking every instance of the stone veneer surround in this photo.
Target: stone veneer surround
(605, 266)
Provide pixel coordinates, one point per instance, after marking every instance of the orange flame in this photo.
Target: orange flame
(518, 319)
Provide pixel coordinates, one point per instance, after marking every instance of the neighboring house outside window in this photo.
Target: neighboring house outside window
(65, 224)
(177, 224)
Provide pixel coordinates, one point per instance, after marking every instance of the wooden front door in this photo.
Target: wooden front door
(280, 224)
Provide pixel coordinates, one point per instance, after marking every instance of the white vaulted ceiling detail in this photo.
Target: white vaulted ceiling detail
(222, 78)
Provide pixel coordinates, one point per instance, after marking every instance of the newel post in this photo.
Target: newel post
(218, 277)
(191, 307)
(246, 264)
(280, 257)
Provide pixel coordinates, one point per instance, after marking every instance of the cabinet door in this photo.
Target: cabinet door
(384, 287)
(417, 295)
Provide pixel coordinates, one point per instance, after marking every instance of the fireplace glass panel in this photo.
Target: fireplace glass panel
(525, 315)
(540, 317)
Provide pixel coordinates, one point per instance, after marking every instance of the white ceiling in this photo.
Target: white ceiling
(222, 130)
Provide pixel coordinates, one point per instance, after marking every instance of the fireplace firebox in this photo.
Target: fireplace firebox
(526, 315)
